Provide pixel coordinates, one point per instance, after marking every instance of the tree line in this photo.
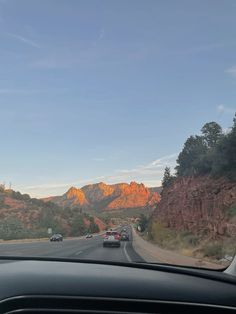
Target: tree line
(213, 153)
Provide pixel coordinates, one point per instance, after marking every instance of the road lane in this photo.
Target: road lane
(91, 249)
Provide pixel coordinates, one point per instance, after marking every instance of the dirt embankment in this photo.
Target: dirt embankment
(154, 254)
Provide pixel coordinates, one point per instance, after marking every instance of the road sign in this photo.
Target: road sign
(49, 230)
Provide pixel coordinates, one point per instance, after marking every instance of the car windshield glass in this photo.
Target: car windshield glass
(118, 119)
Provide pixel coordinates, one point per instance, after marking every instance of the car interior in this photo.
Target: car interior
(39, 285)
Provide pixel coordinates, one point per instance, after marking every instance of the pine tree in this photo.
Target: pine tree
(167, 178)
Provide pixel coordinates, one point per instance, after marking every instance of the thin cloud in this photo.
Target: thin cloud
(98, 159)
(25, 40)
(150, 174)
(10, 91)
(144, 172)
(232, 71)
(101, 34)
(225, 109)
(19, 91)
(162, 161)
(62, 185)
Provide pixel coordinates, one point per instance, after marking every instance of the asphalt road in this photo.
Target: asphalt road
(91, 249)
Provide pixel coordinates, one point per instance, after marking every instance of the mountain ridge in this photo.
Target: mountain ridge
(107, 197)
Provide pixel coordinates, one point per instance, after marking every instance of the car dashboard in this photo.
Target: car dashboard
(59, 286)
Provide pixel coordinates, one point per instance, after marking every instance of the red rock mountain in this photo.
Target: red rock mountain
(105, 197)
(200, 205)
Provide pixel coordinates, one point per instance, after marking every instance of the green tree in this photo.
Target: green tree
(224, 162)
(167, 178)
(93, 228)
(212, 133)
(143, 221)
(190, 160)
(12, 228)
(78, 227)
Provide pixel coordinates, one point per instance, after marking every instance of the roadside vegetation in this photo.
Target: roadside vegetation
(169, 238)
(189, 244)
(213, 154)
(33, 217)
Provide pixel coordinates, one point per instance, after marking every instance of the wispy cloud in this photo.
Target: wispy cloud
(150, 174)
(98, 159)
(225, 109)
(144, 173)
(232, 71)
(101, 34)
(18, 91)
(204, 48)
(24, 40)
(13, 91)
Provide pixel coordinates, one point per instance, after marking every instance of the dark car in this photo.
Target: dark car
(124, 236)
(56, 237)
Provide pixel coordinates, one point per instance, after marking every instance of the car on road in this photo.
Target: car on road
(88, 236)
(111, 241)
(57, 237)
(124, 236)
(115, 234)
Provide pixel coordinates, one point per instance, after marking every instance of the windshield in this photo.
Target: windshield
(118, 118)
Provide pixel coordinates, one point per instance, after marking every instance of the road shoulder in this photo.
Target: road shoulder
(154, 254)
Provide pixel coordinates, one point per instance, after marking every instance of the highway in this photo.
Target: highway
(81, 248)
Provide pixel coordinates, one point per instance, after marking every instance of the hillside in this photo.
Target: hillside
(197, 216)
(197, 210)
(25, 217)
(202, 206)
(103, 197)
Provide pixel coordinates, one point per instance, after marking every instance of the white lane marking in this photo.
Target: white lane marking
(78, 252)
(126, 253)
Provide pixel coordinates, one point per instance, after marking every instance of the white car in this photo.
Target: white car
(111, 241)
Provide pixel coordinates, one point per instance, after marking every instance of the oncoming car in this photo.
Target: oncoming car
(124, 236)
(56, 238)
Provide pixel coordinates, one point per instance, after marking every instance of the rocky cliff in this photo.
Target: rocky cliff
(201, 205)
(105, 197)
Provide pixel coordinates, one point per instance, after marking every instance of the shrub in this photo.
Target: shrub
(213, 250)
(232, 211)
(77, 226)
(188, 239)
(161, 235)
(12, 228)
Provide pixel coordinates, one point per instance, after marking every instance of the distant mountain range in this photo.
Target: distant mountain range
(105, 197)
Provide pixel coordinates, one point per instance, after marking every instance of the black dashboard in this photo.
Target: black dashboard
(41, 286)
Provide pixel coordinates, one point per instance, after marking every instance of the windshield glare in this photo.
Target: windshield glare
(118, 131)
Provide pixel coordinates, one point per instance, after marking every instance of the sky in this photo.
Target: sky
(106, 90)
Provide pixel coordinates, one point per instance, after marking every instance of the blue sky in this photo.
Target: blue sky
(109, 90)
